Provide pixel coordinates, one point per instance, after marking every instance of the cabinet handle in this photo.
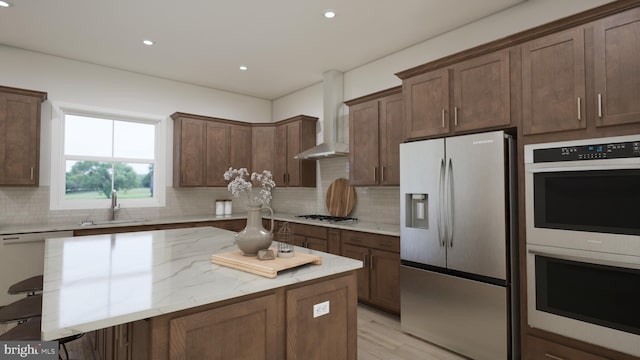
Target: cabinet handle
(32, 173)
(288, 178)
(371, 262)
(364, 260)
(455, 115)
(284, 179)
(381, 174)
(375, 174)
(553, 356)
(600, 106)
(579, 108)
(442, 117)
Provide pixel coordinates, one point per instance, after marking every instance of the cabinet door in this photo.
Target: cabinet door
(385, 279)
(390, 139)
(553, 83)
(263, 142)
(617, 74)
(426, 104)
(481, 88)
(317, 244)
(332, 335)
(19, 139)
(243, 330)
(363, 144)
(192, 150)
(280, 160)
(217, 153)
(293, 149)
(240, 147)
(362, 254)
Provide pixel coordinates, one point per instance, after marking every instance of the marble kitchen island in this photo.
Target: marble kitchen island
(156, 295)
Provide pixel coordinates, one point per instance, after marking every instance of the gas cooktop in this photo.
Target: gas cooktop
(328, 218)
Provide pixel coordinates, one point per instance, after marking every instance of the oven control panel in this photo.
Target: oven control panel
(617, 150)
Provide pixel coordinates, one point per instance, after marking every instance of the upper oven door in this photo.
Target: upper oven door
(589, 202)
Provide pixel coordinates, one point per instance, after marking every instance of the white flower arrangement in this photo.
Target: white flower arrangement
(239, 184)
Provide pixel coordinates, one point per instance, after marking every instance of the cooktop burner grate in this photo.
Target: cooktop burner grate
(328, 218)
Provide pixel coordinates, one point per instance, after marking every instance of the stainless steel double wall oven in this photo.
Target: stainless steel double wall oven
(583, 240)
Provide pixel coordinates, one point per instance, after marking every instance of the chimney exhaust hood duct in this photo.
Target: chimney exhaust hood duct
(333, 96)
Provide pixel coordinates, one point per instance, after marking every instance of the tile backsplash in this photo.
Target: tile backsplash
(375, 204)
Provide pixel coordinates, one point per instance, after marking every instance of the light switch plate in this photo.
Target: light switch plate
(321, 309)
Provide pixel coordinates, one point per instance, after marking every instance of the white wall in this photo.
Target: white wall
(78, 83)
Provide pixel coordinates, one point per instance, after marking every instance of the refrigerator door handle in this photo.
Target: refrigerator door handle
(450, 204)
(441, 235)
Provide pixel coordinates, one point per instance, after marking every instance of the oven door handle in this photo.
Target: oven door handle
(616, 263)
(568, 166)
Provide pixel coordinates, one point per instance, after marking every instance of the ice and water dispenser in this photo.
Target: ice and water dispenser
(417, 211)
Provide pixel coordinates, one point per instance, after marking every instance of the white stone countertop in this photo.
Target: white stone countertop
(94, 282)
(371, 227)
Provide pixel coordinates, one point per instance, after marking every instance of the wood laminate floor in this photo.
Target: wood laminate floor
(379, 338)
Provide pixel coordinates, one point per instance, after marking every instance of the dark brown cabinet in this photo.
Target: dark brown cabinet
(617, 73)
(426, 104)
(329, 336)
(470, 95)
(293, 136)
(20, 136)
(204, 148)
(553, 83)
(482, 92)
(309, 236)
(379, 279)
(375, 134)
(263, 147)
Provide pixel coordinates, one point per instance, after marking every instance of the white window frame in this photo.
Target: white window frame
(58, 159)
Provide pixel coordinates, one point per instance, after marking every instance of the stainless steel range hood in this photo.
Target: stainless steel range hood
(333, 96)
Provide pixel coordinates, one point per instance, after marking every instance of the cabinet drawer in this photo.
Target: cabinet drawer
(539, 349)
(309, 230)
(375, 241)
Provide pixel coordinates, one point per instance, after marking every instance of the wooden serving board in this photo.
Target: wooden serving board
(266, 268)
(341, 198)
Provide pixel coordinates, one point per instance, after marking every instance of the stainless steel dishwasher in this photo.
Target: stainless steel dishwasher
(22, 256)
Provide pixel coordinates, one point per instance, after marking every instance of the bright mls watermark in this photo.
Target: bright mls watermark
(36, 350)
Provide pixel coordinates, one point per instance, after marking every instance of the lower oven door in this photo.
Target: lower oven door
(589, 296)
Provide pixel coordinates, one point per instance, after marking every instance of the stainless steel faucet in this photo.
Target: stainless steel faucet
(114, 204)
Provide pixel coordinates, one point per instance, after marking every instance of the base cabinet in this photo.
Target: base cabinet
(379, 279)
(540, 349)
(276, 324)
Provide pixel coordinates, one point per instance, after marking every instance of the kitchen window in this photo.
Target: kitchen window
(101, 152)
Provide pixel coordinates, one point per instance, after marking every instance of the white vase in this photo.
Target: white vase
(254, 236)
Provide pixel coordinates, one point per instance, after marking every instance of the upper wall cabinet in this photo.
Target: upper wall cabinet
(204, 148)
(481, 92)
(263, 147)
(617, 68)
(375, 134)
(553, 83)
(20, 136)
(480, 97)
(293, 136)
(426, 99)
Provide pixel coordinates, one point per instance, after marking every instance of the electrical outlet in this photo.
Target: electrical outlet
(321, 309)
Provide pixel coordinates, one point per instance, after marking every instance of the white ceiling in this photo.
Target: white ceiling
(287, 44)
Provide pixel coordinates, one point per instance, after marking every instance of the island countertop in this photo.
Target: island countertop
(94, 282)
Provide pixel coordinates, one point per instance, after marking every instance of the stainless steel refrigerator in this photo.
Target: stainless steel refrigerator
(458, 244)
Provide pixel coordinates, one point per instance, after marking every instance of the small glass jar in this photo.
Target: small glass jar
(285, 241)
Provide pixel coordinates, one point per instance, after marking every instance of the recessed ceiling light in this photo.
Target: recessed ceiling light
(243, 68)
(4, 4)
(147, 42)
(329, 14)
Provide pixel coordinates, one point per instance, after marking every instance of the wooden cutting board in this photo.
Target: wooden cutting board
(266, 268)
(341, 198)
